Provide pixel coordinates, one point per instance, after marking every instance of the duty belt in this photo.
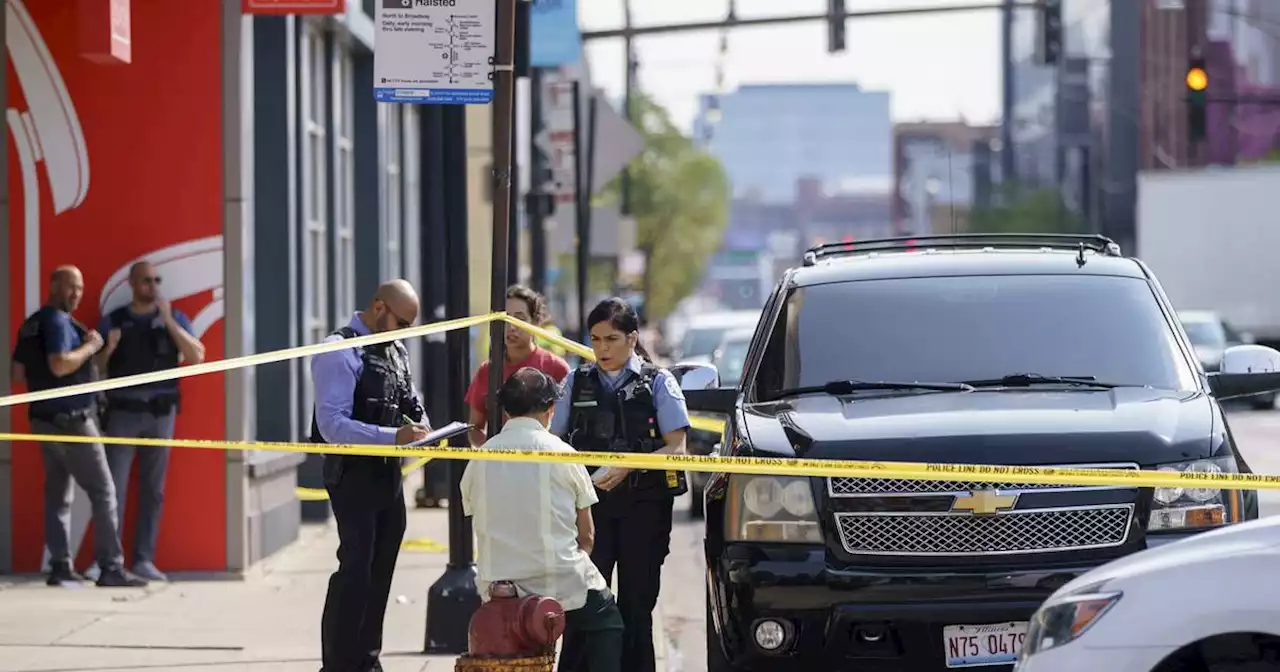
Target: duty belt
(63, 418)
(155, 406)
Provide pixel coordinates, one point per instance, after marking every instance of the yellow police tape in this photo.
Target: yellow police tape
(772, 466)
(651, 461)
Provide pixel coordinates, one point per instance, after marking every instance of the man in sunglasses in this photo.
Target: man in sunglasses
(144, 336)
(365, 396)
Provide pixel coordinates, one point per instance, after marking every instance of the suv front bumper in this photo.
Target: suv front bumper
(868, 620)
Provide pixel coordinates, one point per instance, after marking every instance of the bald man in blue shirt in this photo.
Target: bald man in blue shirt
(365, 396)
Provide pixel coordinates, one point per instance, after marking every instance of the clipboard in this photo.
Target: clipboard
(436, 436)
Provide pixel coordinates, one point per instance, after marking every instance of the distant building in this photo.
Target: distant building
(1116, 104)
(936, 183)
(768, 136)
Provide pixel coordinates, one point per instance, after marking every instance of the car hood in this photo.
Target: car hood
(1253, 538)
(1010, 426)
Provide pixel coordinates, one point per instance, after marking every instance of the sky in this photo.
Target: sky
(940, 67)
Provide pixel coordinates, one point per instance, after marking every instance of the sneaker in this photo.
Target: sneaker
(92, 572)
(117, 577)
(60, 574)
(148, 571)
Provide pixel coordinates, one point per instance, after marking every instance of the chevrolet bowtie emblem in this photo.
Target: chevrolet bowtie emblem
(984, 502)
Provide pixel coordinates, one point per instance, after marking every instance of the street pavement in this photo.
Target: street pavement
(269, 620)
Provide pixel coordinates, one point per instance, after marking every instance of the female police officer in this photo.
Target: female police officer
(624, 403)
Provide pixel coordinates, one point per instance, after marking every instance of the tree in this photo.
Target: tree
(1027, 211)
(680, 200)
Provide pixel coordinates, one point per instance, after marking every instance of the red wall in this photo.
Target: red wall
(152, 130)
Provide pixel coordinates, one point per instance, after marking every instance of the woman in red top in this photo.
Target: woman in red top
(523, 304)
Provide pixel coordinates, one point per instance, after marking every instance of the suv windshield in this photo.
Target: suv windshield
(973, 328)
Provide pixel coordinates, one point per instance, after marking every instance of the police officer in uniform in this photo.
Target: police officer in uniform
(624, 403)
(55, 350)
(365, 396)
(146, 335)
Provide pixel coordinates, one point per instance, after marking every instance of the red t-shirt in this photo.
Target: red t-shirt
(542, 360)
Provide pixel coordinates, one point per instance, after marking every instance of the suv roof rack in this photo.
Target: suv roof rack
(960, 241)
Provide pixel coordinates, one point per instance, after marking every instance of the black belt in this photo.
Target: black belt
(155, 405)
(63, 418)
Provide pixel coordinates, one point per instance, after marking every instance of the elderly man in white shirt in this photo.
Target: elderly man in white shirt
(533, 526)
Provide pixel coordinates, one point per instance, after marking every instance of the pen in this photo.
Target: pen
(406, 419)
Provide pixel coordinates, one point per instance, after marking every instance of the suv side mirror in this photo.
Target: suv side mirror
(1246, 370)
(702, 391)
(695, 376)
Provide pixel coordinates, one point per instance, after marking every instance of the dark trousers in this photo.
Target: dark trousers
(593, 636)
(633, 533)
(153, 468)
(87, 465)
(367, 496)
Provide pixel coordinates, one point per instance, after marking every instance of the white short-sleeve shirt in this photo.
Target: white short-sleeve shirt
(525, 517)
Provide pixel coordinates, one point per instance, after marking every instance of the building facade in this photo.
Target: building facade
(769, 136)
(937, 175)
(246, 156)
(1116, 104)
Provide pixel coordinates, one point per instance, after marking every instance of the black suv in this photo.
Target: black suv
(987, 349)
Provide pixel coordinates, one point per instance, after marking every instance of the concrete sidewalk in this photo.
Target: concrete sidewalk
(269, 620)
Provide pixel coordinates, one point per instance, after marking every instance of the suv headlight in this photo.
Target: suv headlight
(1186, 507)
(1065, 620)
(771, 508)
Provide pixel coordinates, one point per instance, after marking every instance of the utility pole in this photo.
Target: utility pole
(453, 599)
(1007, 165)
(628, 92)
(584, 157)
(536, 207)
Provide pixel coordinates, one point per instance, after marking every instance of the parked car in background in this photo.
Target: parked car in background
(1210, 336)
(1203, 603)
(731, 355)
(705, 333)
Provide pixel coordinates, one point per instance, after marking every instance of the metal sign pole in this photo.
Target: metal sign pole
(456, 597)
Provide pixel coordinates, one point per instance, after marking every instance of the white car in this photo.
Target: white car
(705, 332)
(1210, 603)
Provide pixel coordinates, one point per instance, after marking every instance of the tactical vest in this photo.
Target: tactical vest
(624, 420)
(144, 346)
(31, 353)
(384, 393)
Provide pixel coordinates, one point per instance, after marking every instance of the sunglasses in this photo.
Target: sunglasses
(151, 280)
(400, 321)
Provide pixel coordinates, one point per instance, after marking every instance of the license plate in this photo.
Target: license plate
(975, 645)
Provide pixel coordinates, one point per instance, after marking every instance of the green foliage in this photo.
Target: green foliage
(1027, 211)
(680, 200)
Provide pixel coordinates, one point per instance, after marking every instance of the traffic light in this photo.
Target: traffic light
(1197, 81)
(835, 26)
(1050, 47)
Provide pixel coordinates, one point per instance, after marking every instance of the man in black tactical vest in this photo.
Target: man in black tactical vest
(54, 350)
(365, 396)
(144, 336)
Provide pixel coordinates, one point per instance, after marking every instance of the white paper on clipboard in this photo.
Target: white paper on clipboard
(436, 436)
